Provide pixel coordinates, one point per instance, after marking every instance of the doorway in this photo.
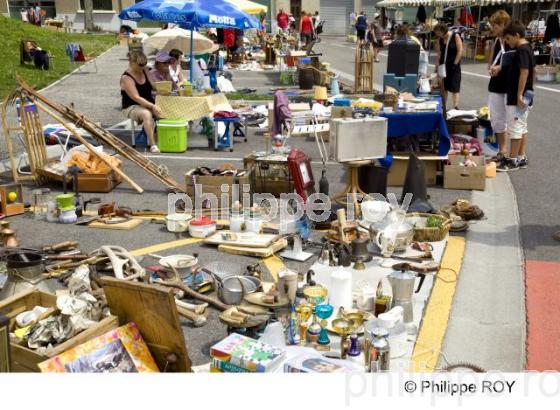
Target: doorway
(295, 8)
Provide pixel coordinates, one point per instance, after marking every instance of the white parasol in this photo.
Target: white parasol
(181, 40)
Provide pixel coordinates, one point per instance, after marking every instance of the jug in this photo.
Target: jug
(335, 89)
(402, 285)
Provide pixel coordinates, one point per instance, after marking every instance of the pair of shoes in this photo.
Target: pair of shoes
(523, 163)
(154, 149)
(508, 165)
(498, 158)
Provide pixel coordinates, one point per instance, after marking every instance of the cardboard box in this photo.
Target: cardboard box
(462, 126)
(397, 172)
(24, 359)
(212, 184)
(456, 176)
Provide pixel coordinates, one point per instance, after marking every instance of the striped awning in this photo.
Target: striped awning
(449, 3)
(404, 3)
(460, 3)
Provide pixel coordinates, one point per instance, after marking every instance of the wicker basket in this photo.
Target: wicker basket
(163, 87)
(388, 100)
(423, 234)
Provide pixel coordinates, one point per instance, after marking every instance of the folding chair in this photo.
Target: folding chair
(76, 54)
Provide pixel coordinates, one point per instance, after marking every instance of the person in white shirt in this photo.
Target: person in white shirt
(175, 66)
(316, 20)
(136, 33)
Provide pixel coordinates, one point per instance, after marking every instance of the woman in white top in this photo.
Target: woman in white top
(175, 66)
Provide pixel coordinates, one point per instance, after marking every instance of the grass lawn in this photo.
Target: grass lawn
(13, 31)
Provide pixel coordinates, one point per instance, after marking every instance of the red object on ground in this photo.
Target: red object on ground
(542, 282)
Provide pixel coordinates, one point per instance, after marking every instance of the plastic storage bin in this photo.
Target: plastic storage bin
(172, 135)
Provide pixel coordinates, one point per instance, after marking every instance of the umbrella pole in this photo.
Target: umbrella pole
(191, 54)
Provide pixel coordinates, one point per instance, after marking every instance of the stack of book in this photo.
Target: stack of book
(241, 354)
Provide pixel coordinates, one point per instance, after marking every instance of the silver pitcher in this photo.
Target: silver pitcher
(402, 284)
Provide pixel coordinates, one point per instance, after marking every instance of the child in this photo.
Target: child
(519, 96)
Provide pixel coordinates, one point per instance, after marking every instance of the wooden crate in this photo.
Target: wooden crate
(24, 359)
(15, 207)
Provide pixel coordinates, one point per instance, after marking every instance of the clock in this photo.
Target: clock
(299, 165)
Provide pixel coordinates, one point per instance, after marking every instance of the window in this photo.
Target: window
(99, 4)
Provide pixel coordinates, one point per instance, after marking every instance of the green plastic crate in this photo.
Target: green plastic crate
(172, 135)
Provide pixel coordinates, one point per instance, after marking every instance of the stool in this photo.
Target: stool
(225, 140)
(352, 185)
(240, 130)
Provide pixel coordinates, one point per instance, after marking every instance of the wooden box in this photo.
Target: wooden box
(87, 182)
(456, 176)
(98, 182)
(212, 184)
(397, 172)
(24, 359)
(8, 207)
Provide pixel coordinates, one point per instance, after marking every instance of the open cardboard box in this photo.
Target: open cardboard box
(456, 176)
(24, 359)
(397, 172)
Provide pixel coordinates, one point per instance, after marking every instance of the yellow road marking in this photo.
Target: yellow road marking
(164, 246)
(436, 317)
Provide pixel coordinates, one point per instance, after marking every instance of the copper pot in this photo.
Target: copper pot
(9, 238)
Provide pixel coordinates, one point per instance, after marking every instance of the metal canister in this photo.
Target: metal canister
(380, 356)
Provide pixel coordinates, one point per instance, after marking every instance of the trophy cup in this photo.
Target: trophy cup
(343, 327)
(323, 312)
(303, 313)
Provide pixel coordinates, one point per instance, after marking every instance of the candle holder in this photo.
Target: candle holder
(323, 312)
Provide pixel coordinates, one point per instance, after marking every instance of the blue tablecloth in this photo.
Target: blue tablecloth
(403, 124)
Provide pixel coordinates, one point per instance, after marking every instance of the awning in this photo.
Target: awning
(460, 3)
(249, 6)
(404, 3)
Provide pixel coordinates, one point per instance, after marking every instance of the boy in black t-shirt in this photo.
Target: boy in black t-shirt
(519, 96)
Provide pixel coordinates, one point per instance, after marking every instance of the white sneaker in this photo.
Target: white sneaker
(154, 149)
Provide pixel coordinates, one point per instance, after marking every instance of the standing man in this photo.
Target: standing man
(282, 19)
(361, 26)
(519, 96)
(497, 88)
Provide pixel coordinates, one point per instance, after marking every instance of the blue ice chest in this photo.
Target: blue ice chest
(341, 102)
(406, 84)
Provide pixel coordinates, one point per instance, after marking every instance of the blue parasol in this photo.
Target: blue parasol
(192, 14)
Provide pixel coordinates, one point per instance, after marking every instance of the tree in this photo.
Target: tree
(88, 15)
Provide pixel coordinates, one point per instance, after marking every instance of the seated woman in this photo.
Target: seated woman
(136, 93)
(160, 71)
(175, 66)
